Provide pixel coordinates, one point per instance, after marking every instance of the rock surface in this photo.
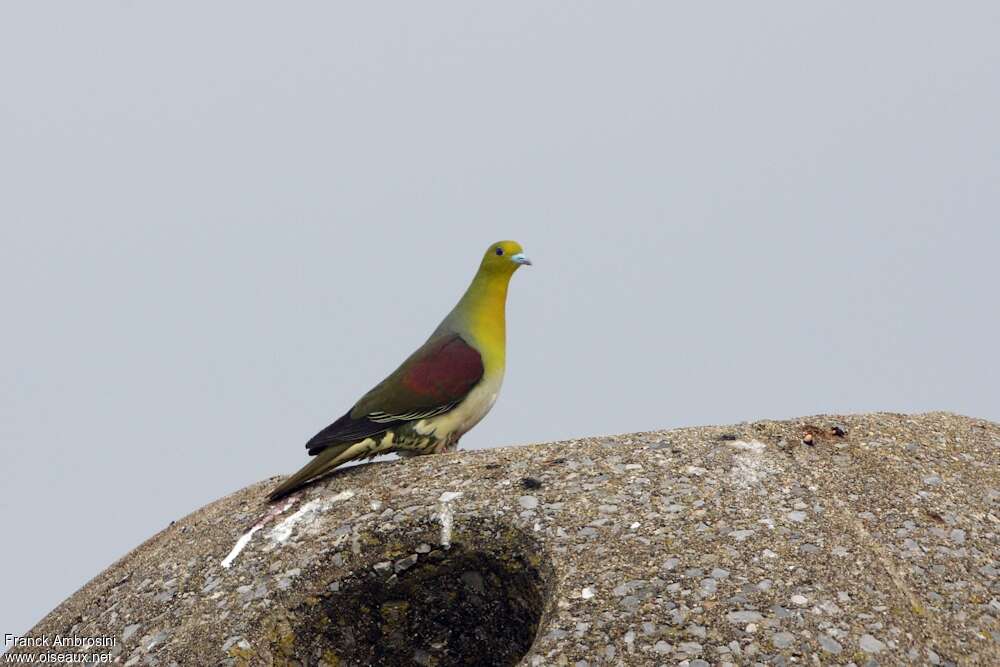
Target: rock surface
(871, 539)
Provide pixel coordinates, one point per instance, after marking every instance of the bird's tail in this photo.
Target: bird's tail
(325, 461)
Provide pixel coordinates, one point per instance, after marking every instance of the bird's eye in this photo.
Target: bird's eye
(499, 251)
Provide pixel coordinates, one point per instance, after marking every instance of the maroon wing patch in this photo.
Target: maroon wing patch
(444, 373)
(431, 382)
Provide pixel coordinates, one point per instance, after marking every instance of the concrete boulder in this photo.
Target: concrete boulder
(870, 539)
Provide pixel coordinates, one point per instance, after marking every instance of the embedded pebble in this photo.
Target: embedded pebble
(869, 644)
(745, 616)
(129, 631)
(691, 648)
(231, 641)
(699, 631)
(149, 642)
(405, 563)
(830, 645)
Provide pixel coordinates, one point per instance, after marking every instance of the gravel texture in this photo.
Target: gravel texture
(870, 539)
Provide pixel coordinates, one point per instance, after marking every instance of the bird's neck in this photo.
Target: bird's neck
(482, 309)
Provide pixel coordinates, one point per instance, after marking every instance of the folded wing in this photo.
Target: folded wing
(432, 381)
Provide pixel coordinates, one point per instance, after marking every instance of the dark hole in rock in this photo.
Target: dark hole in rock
(531, 483)
(461, 606)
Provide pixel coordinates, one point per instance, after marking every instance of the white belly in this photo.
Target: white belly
(455, 423)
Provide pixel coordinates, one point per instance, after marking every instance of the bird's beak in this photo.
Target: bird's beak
(520, 258)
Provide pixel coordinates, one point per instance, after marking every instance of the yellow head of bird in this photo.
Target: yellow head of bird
(504, 257)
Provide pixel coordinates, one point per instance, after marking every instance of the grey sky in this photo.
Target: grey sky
(220, 223)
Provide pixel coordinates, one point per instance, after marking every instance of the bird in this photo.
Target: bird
(438, 393)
